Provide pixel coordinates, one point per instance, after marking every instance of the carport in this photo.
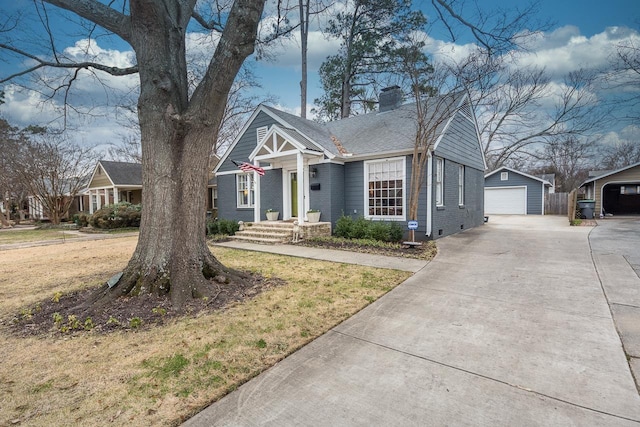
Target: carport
(615, 192)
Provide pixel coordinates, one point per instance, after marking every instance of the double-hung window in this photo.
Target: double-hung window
(439, 181)
(385, 188)
(245, 190)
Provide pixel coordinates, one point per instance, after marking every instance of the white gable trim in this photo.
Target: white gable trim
(99, 165)
(277, 149)
(262, 108)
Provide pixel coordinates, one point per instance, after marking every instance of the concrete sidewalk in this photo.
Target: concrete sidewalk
(507, 326)
(615, 248)
(380, 261)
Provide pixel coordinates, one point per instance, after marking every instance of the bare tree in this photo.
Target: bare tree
(569, 159)
(515, 114)
(619, 155)
(177, 130)
(54, 170)
(12, 191)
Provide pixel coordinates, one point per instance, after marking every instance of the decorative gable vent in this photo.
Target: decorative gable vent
(465, 109)
(261, 133)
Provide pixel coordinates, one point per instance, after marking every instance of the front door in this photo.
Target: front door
(293, 190)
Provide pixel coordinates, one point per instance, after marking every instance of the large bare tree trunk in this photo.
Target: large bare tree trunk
(177, 134)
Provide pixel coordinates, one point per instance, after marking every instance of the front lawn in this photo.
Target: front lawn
(159, 375)
(9, 236)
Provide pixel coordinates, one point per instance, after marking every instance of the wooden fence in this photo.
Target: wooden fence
(572, 199)
(556, 204)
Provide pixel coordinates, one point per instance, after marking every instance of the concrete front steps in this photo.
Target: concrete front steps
(273, 232)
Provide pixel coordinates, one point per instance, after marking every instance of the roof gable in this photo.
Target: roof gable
(609, 173)
(118, 173)
(504, 168)
(278, 141)
(361, 136)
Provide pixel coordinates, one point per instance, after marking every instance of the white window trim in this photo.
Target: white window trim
(439, 182)
(504, 176)
(251, 194)
(402, 217)
(461, 176)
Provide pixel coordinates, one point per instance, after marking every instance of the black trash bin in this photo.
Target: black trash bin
(586, 208)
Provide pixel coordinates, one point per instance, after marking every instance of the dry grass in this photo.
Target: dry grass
(160, 376)
(17, 235)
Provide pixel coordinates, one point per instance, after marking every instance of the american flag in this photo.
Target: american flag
(248, 167)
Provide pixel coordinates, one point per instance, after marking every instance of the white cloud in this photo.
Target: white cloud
(565, 49)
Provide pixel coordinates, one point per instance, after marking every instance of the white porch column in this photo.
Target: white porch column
(115, 195)
(256, 202)
(91, 196)
(99, 200)
(302, 212)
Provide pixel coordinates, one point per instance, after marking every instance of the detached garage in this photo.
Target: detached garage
(511, 192)
(615, 192)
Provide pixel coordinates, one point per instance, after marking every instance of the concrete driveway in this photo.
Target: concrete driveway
(615, 244)
(508, 326)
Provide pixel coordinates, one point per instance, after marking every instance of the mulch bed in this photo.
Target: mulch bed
(425, 252)
(126, 313)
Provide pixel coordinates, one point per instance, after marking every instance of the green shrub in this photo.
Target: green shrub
(361, 228)
(343, 226)
(119, 215)
(81, 220)
(222, 226)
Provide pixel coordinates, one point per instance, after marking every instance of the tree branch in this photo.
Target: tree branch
(99, 13)
(114, 71)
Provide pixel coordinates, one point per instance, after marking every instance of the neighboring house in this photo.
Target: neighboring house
(37, 211)
(511, 192)
(615, 192)
(114, 182)
(359, 166)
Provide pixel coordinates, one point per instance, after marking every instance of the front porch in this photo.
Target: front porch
(274, 232)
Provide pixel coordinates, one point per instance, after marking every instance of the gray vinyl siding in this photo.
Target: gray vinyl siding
(271, 193)
(247, 143)
(353, 189)
(354, 204)
(460, 143)
(534, 189)
(329, 199)
(227, 200)
(453, 218)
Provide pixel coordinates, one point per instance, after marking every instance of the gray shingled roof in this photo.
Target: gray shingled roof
(367, 133)
(122, 173)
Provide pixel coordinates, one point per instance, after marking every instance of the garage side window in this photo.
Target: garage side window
(439, 182)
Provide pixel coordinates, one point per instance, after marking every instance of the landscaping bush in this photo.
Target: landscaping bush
(361, 228)
(119, 215)
(222, 226)
(81, 220)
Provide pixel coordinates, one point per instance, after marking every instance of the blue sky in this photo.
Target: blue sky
(583, 35)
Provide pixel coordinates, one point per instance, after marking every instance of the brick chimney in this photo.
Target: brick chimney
(390, 98)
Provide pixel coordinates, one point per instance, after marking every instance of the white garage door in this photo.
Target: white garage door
(510, 201)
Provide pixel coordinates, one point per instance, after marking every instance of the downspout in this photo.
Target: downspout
(429, 193)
